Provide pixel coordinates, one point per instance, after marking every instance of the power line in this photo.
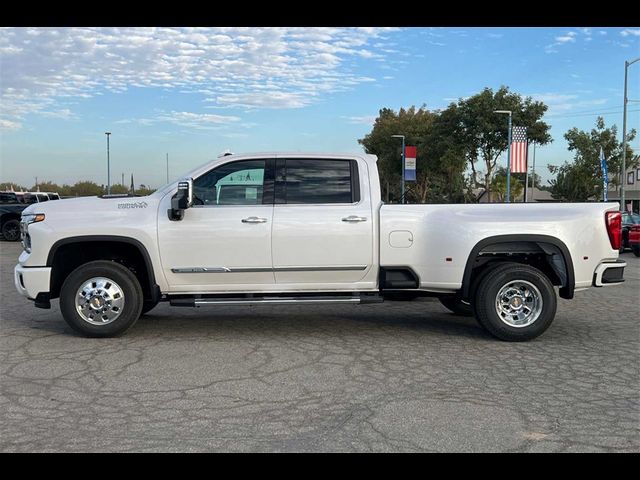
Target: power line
(591, 114)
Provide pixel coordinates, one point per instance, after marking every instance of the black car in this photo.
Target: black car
(11, 207)
(628, 219)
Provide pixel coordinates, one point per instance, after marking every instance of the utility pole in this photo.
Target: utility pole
(108, 165)
(623, 180)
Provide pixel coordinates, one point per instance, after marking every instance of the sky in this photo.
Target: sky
(193, 93)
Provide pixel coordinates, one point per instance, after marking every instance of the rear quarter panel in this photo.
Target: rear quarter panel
(442, 232)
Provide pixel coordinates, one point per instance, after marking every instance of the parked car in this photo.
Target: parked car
(11, 207)
(634, 239)
(35, 197)
(628, 220)
(310, 229)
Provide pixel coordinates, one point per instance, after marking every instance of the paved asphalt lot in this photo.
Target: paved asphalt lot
(392, 377)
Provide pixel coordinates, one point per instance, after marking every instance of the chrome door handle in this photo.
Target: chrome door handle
(354, 219)
(254, 220)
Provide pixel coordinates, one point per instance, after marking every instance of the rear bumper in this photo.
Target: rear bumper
(610, 273)
(32, 282)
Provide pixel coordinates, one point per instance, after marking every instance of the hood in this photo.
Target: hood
(93, 205)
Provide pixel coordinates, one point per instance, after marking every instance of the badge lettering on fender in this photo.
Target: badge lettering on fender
(133, 205)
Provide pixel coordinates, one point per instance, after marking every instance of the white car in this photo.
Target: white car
(309, 228)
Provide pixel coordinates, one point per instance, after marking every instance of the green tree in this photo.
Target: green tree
(482, 135)
(45, 186)
(439, 172)
(499, 184)
(7, 186)
(581, 180)
(446, 160)
(86, 188)
(144, 190)
(118, 189)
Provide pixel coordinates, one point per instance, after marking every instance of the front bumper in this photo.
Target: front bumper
(32, 282)
(609, 273)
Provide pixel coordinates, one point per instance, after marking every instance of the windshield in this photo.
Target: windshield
(631, 218)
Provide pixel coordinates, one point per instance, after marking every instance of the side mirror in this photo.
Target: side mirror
(182, 200)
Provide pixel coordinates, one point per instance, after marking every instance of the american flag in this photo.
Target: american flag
(519, 150)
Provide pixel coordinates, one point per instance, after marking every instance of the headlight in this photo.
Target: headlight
(27, 220)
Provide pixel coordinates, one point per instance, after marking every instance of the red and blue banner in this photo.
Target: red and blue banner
(410, 154)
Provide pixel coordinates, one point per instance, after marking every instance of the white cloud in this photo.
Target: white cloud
(200, 121)
(197, 120)
(267, 99)
(64, 113)
(630, 31)
(252, 67)
(362, 120)
(9, 125)
(562, 103)
(570, 37)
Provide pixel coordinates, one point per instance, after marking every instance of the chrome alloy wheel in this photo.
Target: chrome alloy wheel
(519, 303)
(99, 301)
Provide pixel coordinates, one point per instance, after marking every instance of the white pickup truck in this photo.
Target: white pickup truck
(309, 228)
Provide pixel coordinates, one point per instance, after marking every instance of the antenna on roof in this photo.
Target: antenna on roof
(225, 153)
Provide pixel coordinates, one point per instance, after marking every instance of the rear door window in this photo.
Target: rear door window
(316, 181)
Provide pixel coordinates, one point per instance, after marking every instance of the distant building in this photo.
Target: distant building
(631, 190)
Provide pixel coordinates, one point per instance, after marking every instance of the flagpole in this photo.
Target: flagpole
(533, 180)
(526, 176)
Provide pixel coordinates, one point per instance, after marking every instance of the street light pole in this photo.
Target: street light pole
(623, 180)
(108, 166)
(402, 170)
(534, 171)
(508, 154)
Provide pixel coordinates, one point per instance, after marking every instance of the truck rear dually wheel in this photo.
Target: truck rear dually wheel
(101, 299)
(515, 302)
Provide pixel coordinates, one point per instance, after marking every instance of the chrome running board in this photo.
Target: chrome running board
(275, 300)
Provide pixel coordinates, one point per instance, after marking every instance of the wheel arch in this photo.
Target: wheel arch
(5, 217)
(89, 243)
(552, 247)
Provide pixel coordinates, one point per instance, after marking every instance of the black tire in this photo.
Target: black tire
(636, 250)
(486, 296)
(123, 277)
(624, 244)
(148, 305)
(456, 305)
(11, 230)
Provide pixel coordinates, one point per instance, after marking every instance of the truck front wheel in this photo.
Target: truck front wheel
(101, 299)
(515, 302)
